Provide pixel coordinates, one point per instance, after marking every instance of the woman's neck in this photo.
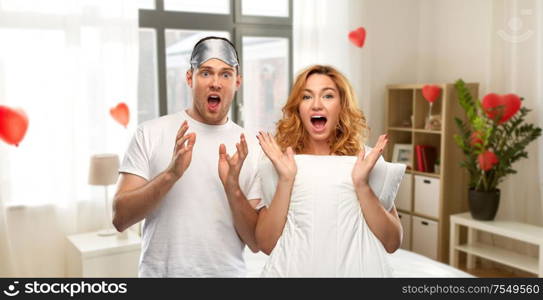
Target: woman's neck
(318, 148)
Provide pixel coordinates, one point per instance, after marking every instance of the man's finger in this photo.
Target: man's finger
(222, 151)
(182, 129)
(181, 142)
(244, 145)
(238, 148)
(192, 139)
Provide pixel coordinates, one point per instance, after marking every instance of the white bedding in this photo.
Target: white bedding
(404, 264)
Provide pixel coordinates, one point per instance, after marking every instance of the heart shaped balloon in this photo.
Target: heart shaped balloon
(120, 113)
(505, 106)
(358, 37)
(13, 125)
(431, 92)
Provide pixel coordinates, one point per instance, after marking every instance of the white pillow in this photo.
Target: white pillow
(385, 178)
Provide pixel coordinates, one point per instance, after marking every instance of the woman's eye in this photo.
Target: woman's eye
(329, 96)
(306, 97)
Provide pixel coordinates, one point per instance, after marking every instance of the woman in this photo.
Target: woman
(308, 229)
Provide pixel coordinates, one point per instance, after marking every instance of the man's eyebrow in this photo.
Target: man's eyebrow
(227, 69)
(207, 68)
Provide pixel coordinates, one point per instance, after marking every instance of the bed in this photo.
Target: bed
(405, 264)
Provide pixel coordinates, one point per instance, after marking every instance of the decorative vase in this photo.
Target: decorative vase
(483, 205)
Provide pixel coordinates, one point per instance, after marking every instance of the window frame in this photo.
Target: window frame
(236, 24)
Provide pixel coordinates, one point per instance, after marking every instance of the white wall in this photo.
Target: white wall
(390, 54)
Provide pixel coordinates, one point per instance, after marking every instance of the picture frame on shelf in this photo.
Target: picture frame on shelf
(403, 153)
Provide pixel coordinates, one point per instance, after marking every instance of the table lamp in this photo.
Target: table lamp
(104, 170)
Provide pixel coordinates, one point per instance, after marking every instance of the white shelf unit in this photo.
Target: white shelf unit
(514, 230)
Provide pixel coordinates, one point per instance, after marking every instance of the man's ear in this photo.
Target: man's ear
(188, 76)
(238, 81)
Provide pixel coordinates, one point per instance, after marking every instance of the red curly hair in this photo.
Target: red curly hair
(351, 130)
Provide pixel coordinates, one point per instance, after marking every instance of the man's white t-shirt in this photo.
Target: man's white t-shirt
(191, 232)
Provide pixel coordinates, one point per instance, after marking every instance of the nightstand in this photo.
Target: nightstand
(91, 255)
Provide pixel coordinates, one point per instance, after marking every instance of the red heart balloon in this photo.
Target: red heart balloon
(13, 125)
(121, 113)
(358, 37)
(505, 106)
(431, 92)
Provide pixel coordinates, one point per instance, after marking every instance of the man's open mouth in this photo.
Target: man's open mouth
(318, 122)
(213, 102)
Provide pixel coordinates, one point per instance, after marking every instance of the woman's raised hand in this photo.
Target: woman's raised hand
(363, 166)
(284, 162)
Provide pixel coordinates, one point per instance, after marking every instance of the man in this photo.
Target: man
(190, 192)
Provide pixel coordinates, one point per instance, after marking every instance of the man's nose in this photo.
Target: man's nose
(215, 82)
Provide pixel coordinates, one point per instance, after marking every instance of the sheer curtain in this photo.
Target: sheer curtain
(66, 63)
(320, 36)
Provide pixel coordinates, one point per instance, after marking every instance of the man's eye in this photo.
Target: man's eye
(226, 75)
(205, 73)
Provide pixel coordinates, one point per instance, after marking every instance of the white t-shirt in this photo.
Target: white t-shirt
(191, 232)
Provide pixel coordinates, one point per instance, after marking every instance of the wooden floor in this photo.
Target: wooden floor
(493, 272)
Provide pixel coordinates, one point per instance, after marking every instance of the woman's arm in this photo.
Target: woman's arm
(384, 224)
(271, 220)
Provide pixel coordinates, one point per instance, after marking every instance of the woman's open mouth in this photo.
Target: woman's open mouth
(318, 122)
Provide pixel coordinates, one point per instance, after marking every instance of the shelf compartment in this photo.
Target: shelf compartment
(433, 140)
(397, 137)
(422, 108)
(400, 108)
(503, 256)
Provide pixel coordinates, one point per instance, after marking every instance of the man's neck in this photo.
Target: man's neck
(193, 113)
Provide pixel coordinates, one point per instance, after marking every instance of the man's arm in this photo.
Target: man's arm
(244, 214)
(136, 197)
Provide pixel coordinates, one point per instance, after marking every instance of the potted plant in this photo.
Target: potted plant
(493, 137)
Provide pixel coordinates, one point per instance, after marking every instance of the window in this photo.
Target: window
(262, 36)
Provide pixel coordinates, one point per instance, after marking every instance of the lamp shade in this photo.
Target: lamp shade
(104, 169)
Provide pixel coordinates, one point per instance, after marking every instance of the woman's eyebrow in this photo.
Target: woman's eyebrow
(329, 88)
